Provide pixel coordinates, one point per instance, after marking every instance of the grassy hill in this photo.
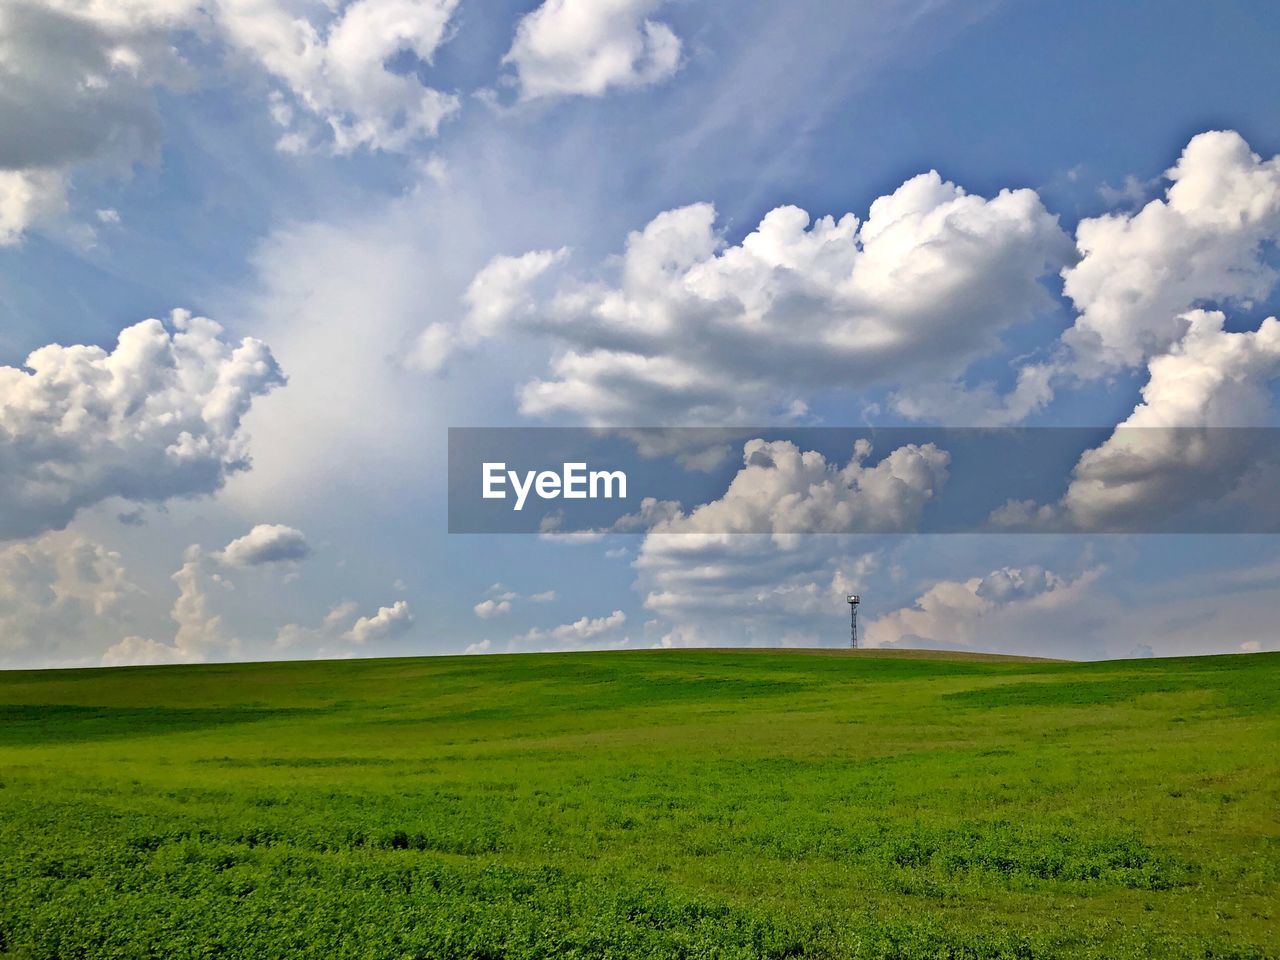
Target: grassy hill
(712, 804)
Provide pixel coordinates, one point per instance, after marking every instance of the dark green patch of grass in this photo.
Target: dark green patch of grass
(36, 723)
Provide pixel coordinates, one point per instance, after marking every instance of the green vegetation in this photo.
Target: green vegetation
(661, 804)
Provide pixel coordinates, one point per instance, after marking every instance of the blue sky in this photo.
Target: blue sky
(175, 156)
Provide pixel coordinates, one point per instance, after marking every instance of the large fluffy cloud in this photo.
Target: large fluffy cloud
(1171, 454)
(154, 418)
(696, 330)
(78, 78)
(1209, 239)
(584, 47)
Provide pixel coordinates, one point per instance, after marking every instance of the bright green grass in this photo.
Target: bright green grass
(661, 804)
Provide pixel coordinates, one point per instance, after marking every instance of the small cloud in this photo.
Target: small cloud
(584, 48)
(266, 543)
(1251, 646)
(482, 646)
(545, 597)
(388, 622)
(488, 609)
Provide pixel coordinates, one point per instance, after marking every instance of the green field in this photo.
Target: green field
(654, 804)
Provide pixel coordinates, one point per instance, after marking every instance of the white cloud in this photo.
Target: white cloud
(266, 543)
(583, 633)
(1024, 610)
(200, 634)
(738, 570)
(331, 64)
(157, 417)
(499, 295)
(1206, 240)
(387, 623)
(27, 198)
(586, 47)
(80, 81)
(340, 626)
(499, 604)
(782, 489)
(60, 595)
(480, 646)
(1157, 465)
(331, 629)
(488, 609)
(695, 330)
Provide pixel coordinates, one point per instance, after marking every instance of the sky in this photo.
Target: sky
(257, 257)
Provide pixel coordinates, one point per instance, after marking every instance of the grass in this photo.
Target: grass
(716, 804)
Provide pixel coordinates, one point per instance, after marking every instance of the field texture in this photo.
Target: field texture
(632, 805)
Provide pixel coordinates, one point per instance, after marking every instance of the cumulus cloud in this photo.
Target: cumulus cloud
(782, 489)
(1010, 610)
(266, 543)
(586, 47)
(331, 63)
(60, 595)
(341, 626)
(200, 634)
(1206, 240)
(80, 81)
(155, 418)
(498, 296)
(388, 622)
(1169, 456)
(29, 197)
(697, 330)
(489, 609)
(498, 604)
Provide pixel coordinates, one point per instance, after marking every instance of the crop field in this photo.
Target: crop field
(712, 804)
